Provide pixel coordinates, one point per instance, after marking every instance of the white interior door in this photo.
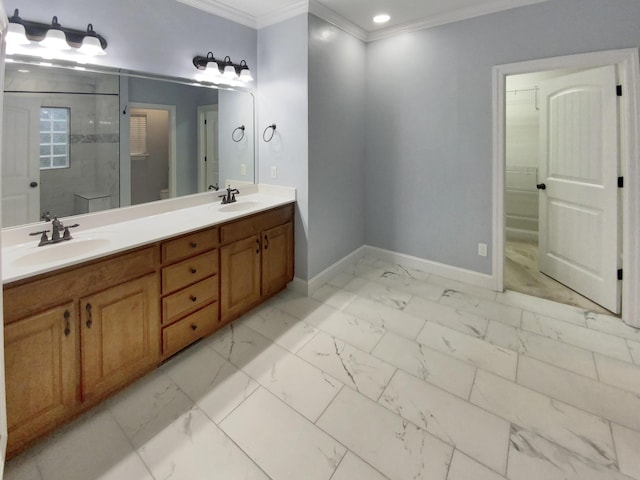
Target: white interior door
(208, 147)
(579, 229)
(211, 148)
(20, 160)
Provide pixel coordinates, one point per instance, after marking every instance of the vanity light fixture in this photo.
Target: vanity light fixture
(47, 40)
(222, 71)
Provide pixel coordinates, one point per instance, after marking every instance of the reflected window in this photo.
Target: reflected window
(54, 138)
(138, 137)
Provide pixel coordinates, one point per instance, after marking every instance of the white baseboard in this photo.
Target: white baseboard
(435, 268)
(308, 288)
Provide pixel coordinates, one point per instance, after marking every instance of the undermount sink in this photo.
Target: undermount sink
(238, 206)
(60, 251)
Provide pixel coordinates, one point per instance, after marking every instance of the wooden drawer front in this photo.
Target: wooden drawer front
(256, 223)
(189, 271)
(189, 299)
(177, 336)
(189, 245)
(24, 299)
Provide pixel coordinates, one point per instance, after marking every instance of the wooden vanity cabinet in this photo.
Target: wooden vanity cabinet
(189, 282)
(42, 372)
(256, 260)
(119, 339)
(75, 336)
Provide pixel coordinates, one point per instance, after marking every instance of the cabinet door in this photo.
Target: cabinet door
(120, 335)
(239, 277)
(277, 258)
(41, 372)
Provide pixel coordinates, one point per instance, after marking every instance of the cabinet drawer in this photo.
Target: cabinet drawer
(189, 271)
(189, 245)
(243, 228)
(186, 331)
(189, 299)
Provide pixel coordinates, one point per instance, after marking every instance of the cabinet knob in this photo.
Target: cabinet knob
(193, 298)
(194, 327)
(194, 245)
(193, 270)
(266, 242)
(258, 248)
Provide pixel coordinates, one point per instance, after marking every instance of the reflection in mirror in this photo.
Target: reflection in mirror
(77, 141)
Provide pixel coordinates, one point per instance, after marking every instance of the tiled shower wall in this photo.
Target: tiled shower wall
(94, 165)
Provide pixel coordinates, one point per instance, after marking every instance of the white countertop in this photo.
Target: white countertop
(104, 233)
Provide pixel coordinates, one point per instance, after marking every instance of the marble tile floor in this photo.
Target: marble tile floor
(385, 373)
(521, 274)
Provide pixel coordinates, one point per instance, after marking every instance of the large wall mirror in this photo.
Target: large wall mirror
(77, 141)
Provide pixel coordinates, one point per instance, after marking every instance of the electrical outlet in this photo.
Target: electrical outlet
(482, 249)
(243, 169)
(274, 172)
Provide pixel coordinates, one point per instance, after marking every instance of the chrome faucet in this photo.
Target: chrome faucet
(230, 196)
(57, 227)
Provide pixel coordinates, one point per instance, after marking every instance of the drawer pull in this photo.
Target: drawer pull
(194, 245)
(194, 327)
(193, 298)
(90, 319)
(193, 270)
(67, 325)
(258, 249)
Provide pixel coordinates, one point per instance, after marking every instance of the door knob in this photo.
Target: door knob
(541, 186)
(33, 184)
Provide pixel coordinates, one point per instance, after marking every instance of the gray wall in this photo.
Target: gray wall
(158, 36)
(235, 109)
(428, 125)
(336, 144)
(283, 100)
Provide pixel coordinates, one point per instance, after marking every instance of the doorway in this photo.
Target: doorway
(555, 124)
(625, 65)
(208, 156)
(152, 144)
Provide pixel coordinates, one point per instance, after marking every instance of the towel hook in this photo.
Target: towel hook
(238, 138)
(273, 132)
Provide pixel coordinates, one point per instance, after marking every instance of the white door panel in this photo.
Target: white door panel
(20, 160)
(579, 228)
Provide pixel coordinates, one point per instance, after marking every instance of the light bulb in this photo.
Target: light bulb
(245, 75)
(55, 40)
(16, 35)
(91, 46)
(230, 72)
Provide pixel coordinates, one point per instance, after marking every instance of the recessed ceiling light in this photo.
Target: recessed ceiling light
(382, 18)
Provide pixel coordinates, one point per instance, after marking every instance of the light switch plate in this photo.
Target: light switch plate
(243, 169)
(482, 249)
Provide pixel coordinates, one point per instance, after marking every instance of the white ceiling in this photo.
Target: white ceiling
(355, 16)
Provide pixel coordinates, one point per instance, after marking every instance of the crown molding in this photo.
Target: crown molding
(450, 17)
(336, 19)
(282, 14)
(315, 7)
(224, 11)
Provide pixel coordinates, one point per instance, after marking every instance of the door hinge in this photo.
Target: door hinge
(205, 120)
(619, 90)
(620, 182)
(205, 159)
(620, 274)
